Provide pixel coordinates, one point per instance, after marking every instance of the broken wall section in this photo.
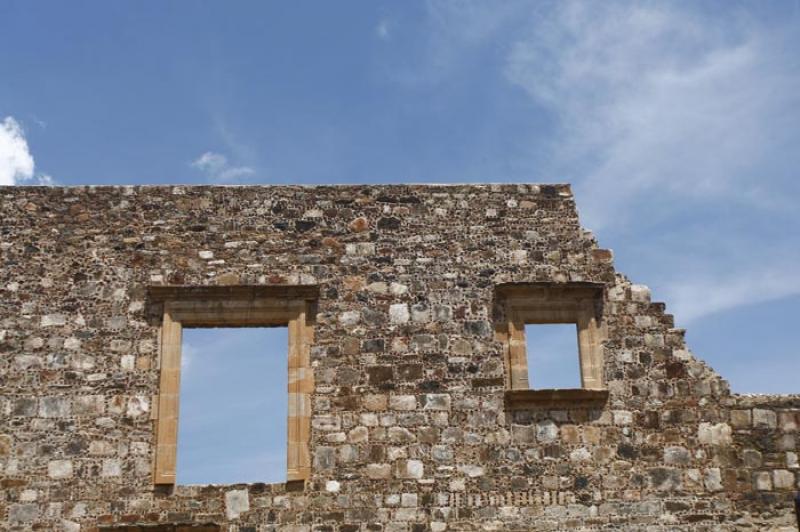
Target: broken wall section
(411, 427)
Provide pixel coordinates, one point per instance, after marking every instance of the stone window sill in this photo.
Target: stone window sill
(258, 488)
(575, 397)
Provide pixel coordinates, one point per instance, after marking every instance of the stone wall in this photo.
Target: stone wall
(411, 426)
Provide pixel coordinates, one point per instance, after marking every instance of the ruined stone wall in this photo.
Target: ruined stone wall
(412, 429)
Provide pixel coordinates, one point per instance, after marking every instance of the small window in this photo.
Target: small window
(233, 406)
(553, 334)
(553, 359)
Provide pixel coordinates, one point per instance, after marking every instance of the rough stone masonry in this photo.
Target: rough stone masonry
(409, 415)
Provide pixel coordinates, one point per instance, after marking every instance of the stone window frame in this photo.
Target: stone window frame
(520, 304)
(239, 306)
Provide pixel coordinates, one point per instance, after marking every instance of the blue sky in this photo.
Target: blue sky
(678, 123)
(552, 353)
(232, 422)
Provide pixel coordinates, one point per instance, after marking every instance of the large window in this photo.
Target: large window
(210, 307)
(233, 405)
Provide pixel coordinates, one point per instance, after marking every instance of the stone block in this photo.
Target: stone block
(714, 434)
(581, 454)
(55, 407)
(111, 468)
(764, 418)
(677, 455)
(751, 458)
(379, 471)
(398, 314)
(400, 435)
(437, 401)
(59, 469)
(570, 434)
(409, 469)
(237, 502)
(713, 479)
(665, 479)
(89, 405)
(741, 418)
(762, 480)
(358, 434)
(409, 500)
(22, 513)
(375, 402)
(622, 417)
(325, 458)
(791, 460)
(783, 479)
(471, 470)
(788, 421)
(546, 431)
(402, 402)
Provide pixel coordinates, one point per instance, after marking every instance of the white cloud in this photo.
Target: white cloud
(16, 161)
(217, 168)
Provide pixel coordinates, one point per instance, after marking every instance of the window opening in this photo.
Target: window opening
(233, 405)
(235, 307)
(553, 358)
(522, 307)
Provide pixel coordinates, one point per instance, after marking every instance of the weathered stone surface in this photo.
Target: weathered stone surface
(59, 469)
(236, 503)
(665, 479)
(437, 401)
(411, 429)
(741, 418)
(762, 480)
(379, 471)
(713, 479)
(546, 431)
(751, 458)
(359, 225)
(783, 479)
(54, 407)
(764, 418)
(403, 402)
(409, 469)
(22, 513)
(400, 435)
(714, 434)
(398, 313)
(358, 435)
(676, 455)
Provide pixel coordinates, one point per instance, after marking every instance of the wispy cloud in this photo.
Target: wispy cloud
(189, 353)
(218, 169)
(382, 30)
(700, 295)
(453, 32)
(676, 126)
(655, 100)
